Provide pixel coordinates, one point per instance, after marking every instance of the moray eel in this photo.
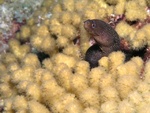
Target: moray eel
(107, 40)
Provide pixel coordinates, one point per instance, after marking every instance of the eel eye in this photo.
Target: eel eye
(93, 25)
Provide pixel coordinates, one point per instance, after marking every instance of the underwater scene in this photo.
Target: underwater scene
(74, 56)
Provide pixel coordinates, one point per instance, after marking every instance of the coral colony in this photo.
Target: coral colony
(43, 67)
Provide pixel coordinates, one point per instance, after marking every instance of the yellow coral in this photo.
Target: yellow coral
(103, 62)
(33, 105)
(72, 50)
(95, 76)
(5, 90)
(78, 87)
(18, 50)
(135, 11)
(33, 92)
(65, 17)
(47, 63)
(31, 59)
(126, 107)
(109, 107)
(109, 94)
(127, 29)
(120, 7)
(90, 110)
(125, 84)
(25, 33)
(82, 67)
(64, 82)
(19, 102)
(62, 58)
(90, 97)
(62, 41)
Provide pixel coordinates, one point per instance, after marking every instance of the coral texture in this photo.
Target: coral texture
(62, 81)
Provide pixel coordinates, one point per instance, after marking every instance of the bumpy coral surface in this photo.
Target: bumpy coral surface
(62, 82)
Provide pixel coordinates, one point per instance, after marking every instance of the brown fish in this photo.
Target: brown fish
(107, 40)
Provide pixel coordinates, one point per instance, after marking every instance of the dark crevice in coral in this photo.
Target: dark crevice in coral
(42, 56)
(133, 53)
(54, 36)
(60, 49)
(132, 22)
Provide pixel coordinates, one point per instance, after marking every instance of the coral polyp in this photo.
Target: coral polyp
(44, 71)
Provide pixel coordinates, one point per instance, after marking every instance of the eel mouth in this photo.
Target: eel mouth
(87, 24)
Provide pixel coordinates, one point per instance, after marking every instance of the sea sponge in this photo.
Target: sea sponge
(90, 98)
